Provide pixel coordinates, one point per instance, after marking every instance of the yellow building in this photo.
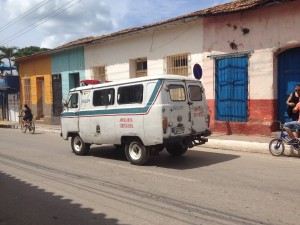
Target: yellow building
(36, 85)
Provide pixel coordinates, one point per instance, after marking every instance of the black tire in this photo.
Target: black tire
(119, 146)
(136, 152)
(276, 147)
(23, 128)
(159, 148)
(176, 149)
(79, 147)
(31, 127)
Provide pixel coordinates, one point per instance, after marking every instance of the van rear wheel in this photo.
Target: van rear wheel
(78, 146)
(176, 149)
(136, 152)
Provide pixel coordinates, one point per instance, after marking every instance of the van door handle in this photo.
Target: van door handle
(75, 113)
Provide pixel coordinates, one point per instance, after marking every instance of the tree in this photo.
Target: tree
(30, 51)
(8, 53)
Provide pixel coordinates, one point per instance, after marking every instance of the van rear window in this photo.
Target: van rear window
(130, 94)
(195, 93)
(177, 92)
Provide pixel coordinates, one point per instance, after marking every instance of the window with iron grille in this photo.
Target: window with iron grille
(178, 64)
(26, 92)
(99, 73)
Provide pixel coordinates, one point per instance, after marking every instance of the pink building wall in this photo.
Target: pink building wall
(271, 30)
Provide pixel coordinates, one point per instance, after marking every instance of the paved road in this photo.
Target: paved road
(43, 182)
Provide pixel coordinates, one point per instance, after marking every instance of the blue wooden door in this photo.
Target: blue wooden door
(288, 77)
(232, 89)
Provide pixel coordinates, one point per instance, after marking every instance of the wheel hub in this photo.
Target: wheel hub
(135, 151)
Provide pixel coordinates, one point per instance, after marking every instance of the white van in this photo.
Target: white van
(143, 115)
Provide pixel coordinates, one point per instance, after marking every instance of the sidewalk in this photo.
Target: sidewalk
(234, 142)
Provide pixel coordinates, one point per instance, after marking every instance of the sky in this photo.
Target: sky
(51, 23)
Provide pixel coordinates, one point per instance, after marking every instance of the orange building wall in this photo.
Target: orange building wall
(33, 69)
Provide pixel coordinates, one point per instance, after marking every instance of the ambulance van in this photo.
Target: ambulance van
(141, 115)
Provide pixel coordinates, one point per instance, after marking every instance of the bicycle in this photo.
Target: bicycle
(28, 124)
(276, 145)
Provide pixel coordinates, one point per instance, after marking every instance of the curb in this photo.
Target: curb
(8, 126)
(245, 146)
(233, 145)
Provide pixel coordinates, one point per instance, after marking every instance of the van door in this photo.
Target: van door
(179, 110)
(70, 117)
(102, 127)
(198, 107)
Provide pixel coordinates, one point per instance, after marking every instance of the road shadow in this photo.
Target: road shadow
(22, 203)
(191, 159)
(108, 152)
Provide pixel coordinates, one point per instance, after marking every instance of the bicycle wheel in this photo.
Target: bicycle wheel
(23, 128)
(31, 127)
(276, 147)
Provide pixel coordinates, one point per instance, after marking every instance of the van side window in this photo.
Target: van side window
(177, 92)
(130, 94)
(73, 101)
(104, 97)
(195, 93)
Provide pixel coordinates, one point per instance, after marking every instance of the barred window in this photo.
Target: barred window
(26, 92)
(178, 64)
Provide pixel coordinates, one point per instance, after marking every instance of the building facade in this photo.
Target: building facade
(36, 86)
(249, 51)
(67, 69)
(253, 61)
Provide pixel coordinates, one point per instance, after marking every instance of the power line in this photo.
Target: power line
(27, 13)
(44, 19)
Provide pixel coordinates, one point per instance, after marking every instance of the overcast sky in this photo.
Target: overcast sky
(51, 23)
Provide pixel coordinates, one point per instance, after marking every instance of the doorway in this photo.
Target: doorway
(288, 77)
(40, 97)
(74, 80)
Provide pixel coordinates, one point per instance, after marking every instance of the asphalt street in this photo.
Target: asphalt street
(43, 182)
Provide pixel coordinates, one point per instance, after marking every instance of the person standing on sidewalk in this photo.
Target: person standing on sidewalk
(292, 101)
(293, 125)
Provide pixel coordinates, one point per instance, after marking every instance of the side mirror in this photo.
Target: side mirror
(64, 103)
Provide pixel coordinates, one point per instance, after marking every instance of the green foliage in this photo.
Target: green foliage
(30, 51)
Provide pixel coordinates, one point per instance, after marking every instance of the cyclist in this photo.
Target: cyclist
(293, 125)
(27, 114)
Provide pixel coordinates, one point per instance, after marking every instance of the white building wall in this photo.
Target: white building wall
(155, 45)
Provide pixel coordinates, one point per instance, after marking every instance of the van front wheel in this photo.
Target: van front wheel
(176, 149)
(78, 146)
(136, 152)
